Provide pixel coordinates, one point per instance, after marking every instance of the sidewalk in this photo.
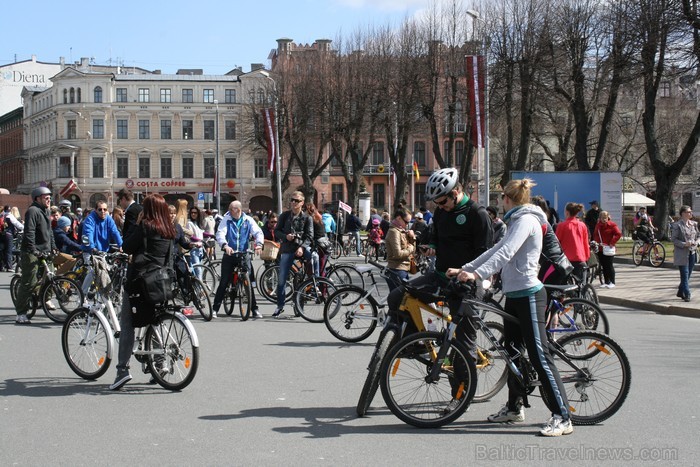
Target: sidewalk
(651, 289)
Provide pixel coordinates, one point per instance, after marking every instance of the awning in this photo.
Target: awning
(630, 198)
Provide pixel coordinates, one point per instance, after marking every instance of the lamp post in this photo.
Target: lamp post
(217, 173)
(484, 49)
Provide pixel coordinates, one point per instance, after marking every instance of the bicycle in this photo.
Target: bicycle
(49, 288)
(420, 373)
(168, 349)
(189, 289)
(239, 289)
(654, 250)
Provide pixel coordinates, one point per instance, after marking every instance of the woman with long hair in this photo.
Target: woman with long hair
(400, 245)
(196, 225)
(606, 233)
(118, 216)
(155, 231)
(318, 256)
(517, 257)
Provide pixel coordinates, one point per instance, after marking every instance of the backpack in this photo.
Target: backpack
(3, 223)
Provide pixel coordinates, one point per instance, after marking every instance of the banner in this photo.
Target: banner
(476, 85)
(68, 189)
(268, 116)
(345, 207)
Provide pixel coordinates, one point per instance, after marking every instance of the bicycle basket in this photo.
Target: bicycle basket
(270, 251)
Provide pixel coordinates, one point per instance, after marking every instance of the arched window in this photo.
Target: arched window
(261, 96)
(72, 95)
(65, 96)
(98, 94)
(79, 96)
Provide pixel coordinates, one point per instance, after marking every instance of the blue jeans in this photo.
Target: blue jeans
(358, 244)
(286, 260)
(402, 274)
(686, 271)
(196, 258)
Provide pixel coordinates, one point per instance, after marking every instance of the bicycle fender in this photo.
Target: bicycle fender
(190, 327)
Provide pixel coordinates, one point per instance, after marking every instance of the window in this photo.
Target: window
(337, 192)
(446, 153)
(665, 89)
(208, 96)
(143, 94)
(261, 96)
(378, 153)
(166, 129)
(230, 96)
(260, 168)
(72, 95)
(166, 167)
(121, 95)
(230, 129)
(122, 129)
(378, 190)
(187, 167)
(230, 167)
(187, 95)
(459, 153)
(420, 194)
(64, 167)
(208, 167)
(97, 94)
(144, 129)
(419, 153)
(251, 96)
(165, 96)
(209, 129)
(98, 167)
(79, 95)
(123, 167)
(65, 96)
(187, 129)
(144, 167)
(72, 129)
(98, 128)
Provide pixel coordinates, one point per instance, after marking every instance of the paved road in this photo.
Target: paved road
(283, 392)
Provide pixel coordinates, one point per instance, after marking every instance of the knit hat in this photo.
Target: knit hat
(63, 222)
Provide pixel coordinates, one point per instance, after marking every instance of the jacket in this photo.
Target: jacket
(64, 242)
(100, 232)
(573, 236)
(302, 225)
(398, 249)
(328, 222)
(37, 230)
(236, 233)
(517, 255)
(135, 243)
(682, 233)
(607, 233)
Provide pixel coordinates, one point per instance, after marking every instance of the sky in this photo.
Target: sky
(214, 35)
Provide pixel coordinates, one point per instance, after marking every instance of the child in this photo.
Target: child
(375, 238)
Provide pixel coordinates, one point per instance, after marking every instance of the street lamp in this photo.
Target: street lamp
(487, 175)
(216, 159)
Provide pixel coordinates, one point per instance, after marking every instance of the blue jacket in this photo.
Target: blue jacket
(236, 233)
(100, 233)
(64, 243)
(328, 222)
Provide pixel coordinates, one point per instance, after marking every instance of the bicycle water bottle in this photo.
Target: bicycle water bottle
(431, 325)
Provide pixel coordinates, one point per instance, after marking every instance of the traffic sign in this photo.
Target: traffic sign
(200, 196)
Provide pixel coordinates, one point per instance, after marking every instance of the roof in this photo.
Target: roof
(127, 77)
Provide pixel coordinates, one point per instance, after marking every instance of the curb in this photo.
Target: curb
(660, 309)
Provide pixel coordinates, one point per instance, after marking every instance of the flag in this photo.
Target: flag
(215, 186)
(476, 84)
(415, 170)
(268, 116)
(68, 189)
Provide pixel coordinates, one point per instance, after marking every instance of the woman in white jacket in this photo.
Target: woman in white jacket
(517, 257)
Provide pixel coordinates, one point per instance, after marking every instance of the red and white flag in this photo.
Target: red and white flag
(268, 116)
(68, 189)
(476, 85)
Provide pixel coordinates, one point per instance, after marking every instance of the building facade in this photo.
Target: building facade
(11, 166)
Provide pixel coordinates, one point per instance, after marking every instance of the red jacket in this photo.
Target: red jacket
(607, 233)
(573, 236)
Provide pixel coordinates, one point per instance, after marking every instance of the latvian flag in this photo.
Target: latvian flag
(268, 116)
(68, 189)
(476, 84)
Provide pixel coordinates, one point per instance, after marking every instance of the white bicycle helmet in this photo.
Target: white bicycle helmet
(441, 183)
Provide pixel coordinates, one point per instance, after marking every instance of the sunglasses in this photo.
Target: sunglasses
(194, 212)
(443, 202)
(102, 209)
(296, 200)
(273, 222)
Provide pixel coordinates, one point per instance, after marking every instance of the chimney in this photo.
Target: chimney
(256, 66)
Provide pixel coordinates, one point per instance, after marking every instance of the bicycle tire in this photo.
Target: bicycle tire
(268, 284)
(336, 249)
(86, 340)
(201, 298)
(244, 296)
(209, 278)
(229, 299)
(598, 391)
(68, 295)
(491, 367)
(408, 362)
(310, 298)
(657, 255)
(350, 314)
(586, 314)
(172, 356)
(637, 257)
(387, 338)
(345, 274)
(587, 292)
(14, 288)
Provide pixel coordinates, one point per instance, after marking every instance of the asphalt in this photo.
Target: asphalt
(651, 289)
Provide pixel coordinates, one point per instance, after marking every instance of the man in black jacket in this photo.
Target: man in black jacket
(37, 240)
(131, 208)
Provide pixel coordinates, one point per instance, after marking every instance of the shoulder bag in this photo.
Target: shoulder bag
(608, 250)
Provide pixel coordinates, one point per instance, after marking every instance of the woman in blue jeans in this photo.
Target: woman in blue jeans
(685, 242)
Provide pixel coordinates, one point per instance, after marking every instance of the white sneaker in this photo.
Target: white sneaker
(507, 415)
(610, 286)
(49, 305)
(557, 426)
(257, 314)
(214, 314)
(603, 286)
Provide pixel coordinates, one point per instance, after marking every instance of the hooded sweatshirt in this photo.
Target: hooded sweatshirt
(517, 255)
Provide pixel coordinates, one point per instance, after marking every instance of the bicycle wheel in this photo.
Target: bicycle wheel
(311, 297)
(336, 249)
(86, 339)
(208, 277)
(62, 292)
(408, 390)
(350, 314)
(172, 352)
(14, 287)
(345, 274)
(637, 250)
(588, 293)
(387, 338)
(268, 284)
(657, 255)
(201, 298)
(229, 298)
(596, 383)
(491, 367)
(584, 314)
(244, 292)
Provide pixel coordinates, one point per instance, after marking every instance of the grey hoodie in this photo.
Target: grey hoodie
(517, 255)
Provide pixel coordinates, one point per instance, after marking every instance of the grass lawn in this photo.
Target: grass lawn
(624, 248)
